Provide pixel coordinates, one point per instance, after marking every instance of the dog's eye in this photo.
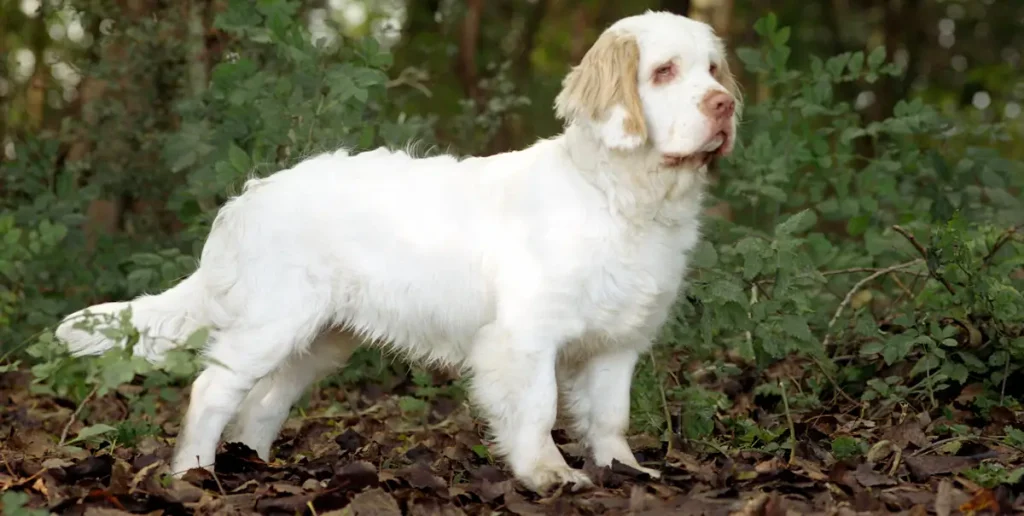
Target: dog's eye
(713, 69)
(664, 72)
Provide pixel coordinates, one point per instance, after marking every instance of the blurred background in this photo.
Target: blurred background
(126, 123)
(479, 75)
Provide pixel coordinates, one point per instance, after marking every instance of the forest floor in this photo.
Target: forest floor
(358, 451)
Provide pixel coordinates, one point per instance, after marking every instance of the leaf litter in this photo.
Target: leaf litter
(373, 457)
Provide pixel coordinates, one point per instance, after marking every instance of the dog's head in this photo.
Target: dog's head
(657, 82)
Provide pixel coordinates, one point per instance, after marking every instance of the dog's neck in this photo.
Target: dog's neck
(635, 183)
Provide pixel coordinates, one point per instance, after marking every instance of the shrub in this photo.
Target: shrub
(892, 278)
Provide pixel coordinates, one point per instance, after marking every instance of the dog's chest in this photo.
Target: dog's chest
(633, 282)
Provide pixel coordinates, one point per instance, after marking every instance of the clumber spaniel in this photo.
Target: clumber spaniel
(544, 272)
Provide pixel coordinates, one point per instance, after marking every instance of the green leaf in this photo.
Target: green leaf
(857, 225)
(835, 65)
(845, 447)
(971, 361)
(856, 63)
(1014, 436)
(14, 502)
(481, 451)
(781, 37)
(801, 221)
(896, 348)
(872, 348)
(408, 404)
(797, 327)
(198, 338)
(751, 58)
(239, 159)
(876, 58)
(705, 256)
(92, 431)
(752, 265)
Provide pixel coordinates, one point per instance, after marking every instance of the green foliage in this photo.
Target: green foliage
(991, 474)
(14, 505)
(311, 98)
(846, 447)
(91, 432)
(893, 245)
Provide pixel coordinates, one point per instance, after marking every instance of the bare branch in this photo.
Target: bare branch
(924, 254)
(857, 288)
(1000, 242)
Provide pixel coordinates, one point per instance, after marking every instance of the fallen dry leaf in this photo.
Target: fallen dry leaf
(983, 500)
(944, 498)
(924, 466)
(868, 477)
(910, 431)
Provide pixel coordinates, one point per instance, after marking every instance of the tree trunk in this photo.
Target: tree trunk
(35, 96)
(470, 38)
(716, 13)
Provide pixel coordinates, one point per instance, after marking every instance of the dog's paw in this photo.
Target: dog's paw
(545, 478)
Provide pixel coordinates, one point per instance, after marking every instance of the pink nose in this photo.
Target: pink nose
(718, 104)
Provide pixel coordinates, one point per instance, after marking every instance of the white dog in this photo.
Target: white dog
(543, 272)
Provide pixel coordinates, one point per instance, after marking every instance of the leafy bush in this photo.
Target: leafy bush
(276, 98)
(894, 279)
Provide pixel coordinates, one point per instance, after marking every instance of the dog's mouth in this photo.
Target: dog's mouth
(716, 146)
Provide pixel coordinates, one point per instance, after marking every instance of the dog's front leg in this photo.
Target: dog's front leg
(514, 385)
(597, 393)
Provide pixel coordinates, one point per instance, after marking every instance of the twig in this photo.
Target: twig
(664, 401)
(962, 438)
(912, 239)
(7, 465)
(74, 416)
(896, 459)
(713, 445)
(216, 478)
(750, 314)
(1002, 390)
(1000, 242)
(854, 270)
(905, 291)
(789, 419)
(924, 254)
(853, 291)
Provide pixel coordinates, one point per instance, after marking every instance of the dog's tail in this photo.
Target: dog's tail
(163, 322)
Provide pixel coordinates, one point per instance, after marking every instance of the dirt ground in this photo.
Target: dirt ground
(373, 458)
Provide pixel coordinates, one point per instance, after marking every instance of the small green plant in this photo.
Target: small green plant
(14, 505)
(991, 474)
(847, 447)
(128, 433)
(1014, 437)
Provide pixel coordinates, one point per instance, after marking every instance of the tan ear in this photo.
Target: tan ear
(606, 78)
(731, 85)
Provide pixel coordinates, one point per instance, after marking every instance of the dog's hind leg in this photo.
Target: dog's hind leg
(271, 330)
(267, 406)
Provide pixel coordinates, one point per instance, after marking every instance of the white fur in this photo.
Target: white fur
(543, 272)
